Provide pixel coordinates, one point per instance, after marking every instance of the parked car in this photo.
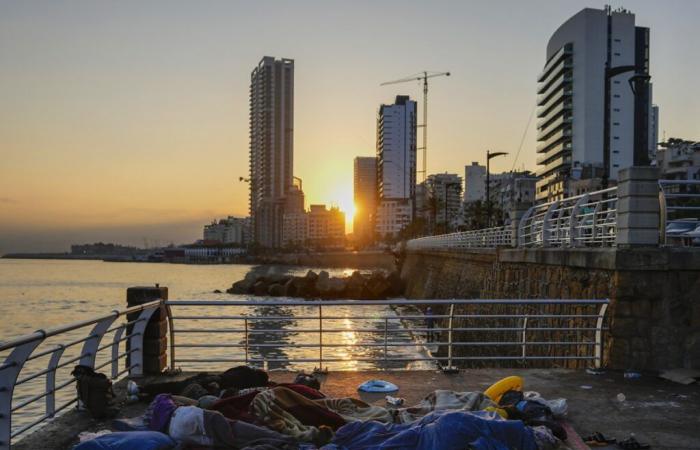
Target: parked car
(693, 237)
(676, 230)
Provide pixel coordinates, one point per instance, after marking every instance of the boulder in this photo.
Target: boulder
(377, 286)
(260, 288)
(290, 288)
(355, 286)
(240, 287)
(311, 276)
(336, 287)
(276, 290)
(395, 284)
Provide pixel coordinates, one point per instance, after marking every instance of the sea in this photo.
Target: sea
(43, 294)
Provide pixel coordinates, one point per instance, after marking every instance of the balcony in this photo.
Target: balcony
(553, 74)
(554, 112)
(552, 126)
(565, 93)
(555, 165)
(552, 88)
(566, 50)
(553, 139)
(562, 147)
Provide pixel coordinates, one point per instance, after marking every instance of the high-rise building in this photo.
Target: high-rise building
(365, 198)
(597, 60)
(445, 194)
(396, 165)
(271, 147)
(474, 183)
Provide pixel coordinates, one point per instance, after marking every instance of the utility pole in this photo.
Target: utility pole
(422, 76)
(489, 155)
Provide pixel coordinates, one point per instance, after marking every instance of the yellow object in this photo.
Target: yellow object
(501, 412)
(496, 391)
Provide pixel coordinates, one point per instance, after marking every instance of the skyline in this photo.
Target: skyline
(141, 130)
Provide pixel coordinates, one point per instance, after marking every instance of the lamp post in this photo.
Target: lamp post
(490, 155)
(611, 72)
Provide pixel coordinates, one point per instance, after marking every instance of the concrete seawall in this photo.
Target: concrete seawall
(654, 293)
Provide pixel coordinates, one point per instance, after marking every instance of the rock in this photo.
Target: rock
(355, 286)
(336, 287)
(240, 287)
(311, 276)
(395, 284)
(276, 290)
(260, 288)
(377, 286)
(290, 288)
(217, 291)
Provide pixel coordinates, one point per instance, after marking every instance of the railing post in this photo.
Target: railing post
(386, 335)
(320, 337)
(574, 230)
(89, 351)
(523, 338)
(9, 371)
(450, 367)
(546, 227)
(51, 381)
(599, 336)
(520, 235)
(171, 332)
(116, 340)
(246, 340)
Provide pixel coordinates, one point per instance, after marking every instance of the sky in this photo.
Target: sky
(127, 121)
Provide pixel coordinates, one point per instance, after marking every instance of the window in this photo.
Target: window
(616, 151)
(616, 123)
(616, 95)
(617, 54)
(616, 109)
(616, 81)
(616, 137)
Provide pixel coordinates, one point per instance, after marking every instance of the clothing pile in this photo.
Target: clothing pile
(242, 409)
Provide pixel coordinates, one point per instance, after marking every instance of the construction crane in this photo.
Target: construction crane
(422, 76)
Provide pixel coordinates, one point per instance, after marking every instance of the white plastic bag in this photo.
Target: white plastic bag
(558, 406)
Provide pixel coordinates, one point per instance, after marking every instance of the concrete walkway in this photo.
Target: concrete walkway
(662, 413)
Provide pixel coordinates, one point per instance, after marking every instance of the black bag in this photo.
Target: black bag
(94, 391)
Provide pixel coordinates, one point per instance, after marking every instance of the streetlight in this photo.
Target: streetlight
(490, 155)
(611, 72)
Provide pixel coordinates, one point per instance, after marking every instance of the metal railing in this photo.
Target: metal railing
(584, 220)
(491, 331)
(680, 211)
(485, 238)
(24, 352)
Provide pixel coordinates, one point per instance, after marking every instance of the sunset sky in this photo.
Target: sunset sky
(127, 121)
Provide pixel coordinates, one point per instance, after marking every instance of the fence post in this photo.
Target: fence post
(521, 224)
(155, 336)
(11, 368)
(386, 334)
(638, 209)
(546, 226)
(574, 230)
(599, 336)
(320, 337)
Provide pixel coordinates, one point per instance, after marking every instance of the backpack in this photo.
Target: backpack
(94, 391)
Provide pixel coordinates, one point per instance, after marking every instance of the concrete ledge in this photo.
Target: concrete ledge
(638, 220)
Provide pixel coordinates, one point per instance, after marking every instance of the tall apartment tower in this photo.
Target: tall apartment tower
(271, 147)
(474, 183)
(594, 51)
(365, 197)
(396, 165)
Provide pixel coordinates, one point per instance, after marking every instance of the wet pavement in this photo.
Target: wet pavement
(659, 412)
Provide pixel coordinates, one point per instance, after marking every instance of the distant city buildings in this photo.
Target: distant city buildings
(597, 60)
(232, 230)
(365, 198)
(512, 191)
(319, 227)
(271, 148)
(445, 199)
(679, 159)
(396, 166)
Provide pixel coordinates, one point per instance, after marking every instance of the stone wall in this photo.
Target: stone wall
(654, 313)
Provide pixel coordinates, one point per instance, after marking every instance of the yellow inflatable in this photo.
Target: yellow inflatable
(496, 391)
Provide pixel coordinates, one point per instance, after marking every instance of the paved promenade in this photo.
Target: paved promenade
(662, 413)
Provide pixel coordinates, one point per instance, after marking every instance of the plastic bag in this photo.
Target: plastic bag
(558, 406)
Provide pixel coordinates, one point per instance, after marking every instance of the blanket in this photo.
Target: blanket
(444, 430)
(443, 400)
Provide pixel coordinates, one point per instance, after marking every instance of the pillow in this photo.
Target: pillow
(131, 440)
